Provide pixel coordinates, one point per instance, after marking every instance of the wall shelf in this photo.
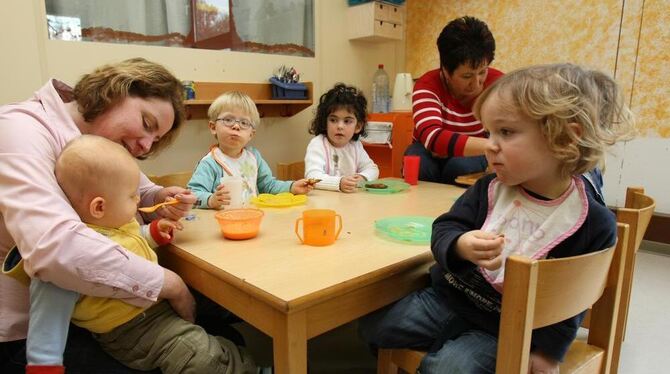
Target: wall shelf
(261, 93)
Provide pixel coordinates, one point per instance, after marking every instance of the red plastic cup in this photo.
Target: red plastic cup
(410, 169)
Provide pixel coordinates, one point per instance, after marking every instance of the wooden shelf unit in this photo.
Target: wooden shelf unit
(261, 93)
(389, 157)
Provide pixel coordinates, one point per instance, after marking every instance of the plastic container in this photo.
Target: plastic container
(235, 186)
(238, 224)
(318, 227)
(384, 186)
(380, 91)
(280, 200)
(288, 91)
(411, 229)
(378, 132)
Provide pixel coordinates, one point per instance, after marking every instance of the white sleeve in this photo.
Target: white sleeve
(315, 166)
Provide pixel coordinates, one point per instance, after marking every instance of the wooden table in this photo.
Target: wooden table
(294, 292)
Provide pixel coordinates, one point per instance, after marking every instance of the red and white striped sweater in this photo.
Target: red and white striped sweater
(441, 123)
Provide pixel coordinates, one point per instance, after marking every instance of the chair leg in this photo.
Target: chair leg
(384, 363)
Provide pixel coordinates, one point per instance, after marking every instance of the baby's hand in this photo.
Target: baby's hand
(349, 183)
(219, 198)
(166, 227)
(481, 248)
(302, 186)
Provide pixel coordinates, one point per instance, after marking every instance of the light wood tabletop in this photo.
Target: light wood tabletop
(293, 292)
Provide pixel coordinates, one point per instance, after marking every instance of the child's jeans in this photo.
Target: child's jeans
(423, 320)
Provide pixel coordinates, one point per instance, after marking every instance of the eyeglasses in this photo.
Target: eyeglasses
(245, 124)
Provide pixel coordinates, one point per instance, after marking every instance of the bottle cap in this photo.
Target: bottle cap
(381, 66)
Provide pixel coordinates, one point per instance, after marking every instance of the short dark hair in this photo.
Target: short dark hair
(465, 40)
(340, 96)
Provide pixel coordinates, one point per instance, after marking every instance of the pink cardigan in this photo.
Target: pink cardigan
(36, 216)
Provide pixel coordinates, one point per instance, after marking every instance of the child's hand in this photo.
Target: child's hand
(166, 227)
(481, 248)
(301, 187)
(541, 364)
(350, 183)
(219, 198)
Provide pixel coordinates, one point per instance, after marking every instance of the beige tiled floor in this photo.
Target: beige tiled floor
(646, 349)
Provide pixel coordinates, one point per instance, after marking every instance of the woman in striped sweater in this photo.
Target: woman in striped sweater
(447, 137)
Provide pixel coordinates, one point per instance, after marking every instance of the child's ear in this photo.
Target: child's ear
(576, 128)
(358, 129)
(212, 127)
(97, 207)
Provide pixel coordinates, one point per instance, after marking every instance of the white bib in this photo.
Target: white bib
(532, 227)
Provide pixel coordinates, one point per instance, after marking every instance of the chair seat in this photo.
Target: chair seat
(582, 358)
(407, 358)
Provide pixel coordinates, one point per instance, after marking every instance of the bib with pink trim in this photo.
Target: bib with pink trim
(532, 227)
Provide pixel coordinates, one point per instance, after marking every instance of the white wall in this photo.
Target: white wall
(639, 163)
(30, 59)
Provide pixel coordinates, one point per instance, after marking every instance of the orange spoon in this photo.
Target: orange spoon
(151, 209)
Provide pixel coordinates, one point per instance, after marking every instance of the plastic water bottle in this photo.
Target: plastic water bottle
(380, 91)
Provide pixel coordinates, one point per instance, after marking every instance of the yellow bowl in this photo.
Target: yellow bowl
(239, 224)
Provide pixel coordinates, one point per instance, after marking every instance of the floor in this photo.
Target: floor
(644, 351)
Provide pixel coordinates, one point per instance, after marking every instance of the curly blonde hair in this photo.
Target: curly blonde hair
(559, 94)
(107, 85)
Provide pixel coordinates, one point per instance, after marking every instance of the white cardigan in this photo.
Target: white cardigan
(328, 163)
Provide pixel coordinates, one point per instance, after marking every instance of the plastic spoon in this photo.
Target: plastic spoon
(151, 209)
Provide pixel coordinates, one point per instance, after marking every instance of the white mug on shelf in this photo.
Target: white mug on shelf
(402, 93)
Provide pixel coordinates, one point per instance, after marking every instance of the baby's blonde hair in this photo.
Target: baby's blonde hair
(558, 94)
(234, 100)
(89, 165)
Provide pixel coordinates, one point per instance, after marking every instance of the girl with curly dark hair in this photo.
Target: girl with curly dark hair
(336, 155)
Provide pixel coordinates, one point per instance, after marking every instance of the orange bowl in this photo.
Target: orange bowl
(239, 224)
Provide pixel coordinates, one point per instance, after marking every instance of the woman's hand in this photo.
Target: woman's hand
(177, 294)
(174, 212)
(219, 198)
(301, 187)
(481, 248)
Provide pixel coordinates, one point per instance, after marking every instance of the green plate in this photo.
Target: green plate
(392, 186)
(280, 200)
(413, 229)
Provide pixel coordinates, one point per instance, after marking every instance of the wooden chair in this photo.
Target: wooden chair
(538, 293)
(176, 179)
(291, 172)
(637, 211)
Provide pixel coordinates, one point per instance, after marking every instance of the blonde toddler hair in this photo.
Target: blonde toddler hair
(558, 94)
(234, 100)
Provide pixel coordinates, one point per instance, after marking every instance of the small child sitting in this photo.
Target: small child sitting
(548, 125)
(335, 155)
(233, 118)
(101, 180)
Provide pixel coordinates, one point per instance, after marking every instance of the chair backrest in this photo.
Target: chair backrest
(538, 293)
(637, 213)
(176, 179)
(291, 172)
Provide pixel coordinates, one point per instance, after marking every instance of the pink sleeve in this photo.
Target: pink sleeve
(56, 246)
